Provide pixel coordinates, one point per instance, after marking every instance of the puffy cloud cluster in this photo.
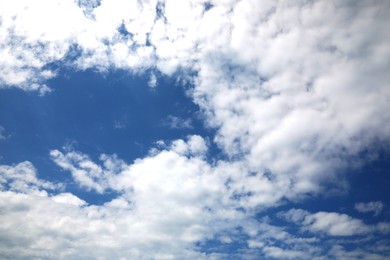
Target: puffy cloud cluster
(166, 205)
(295, 91)
(294, 94)
(284, 88)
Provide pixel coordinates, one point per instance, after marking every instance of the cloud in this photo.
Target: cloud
(278, 253)
(22, 178)
(86, 173)
(165, 203)
(261, 72)
(165, 206)
(292, 104)
(375, 207)
(152, 81)
(178, 123)
(68, 198)
(2, 136)
(293, 100)
(332, 223)
(340, 252)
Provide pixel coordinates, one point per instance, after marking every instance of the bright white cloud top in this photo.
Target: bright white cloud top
(296, 91)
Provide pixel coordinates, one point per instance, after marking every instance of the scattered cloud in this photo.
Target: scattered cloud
(293, 102)
(374, 207)
(165, 203)
(152, 81)
(261, 100)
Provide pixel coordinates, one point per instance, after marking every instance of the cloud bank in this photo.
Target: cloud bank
(296, 93)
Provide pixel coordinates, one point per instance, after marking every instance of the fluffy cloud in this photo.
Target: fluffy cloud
(285, 90)
(165, 206)
(291, 93)
(165, 203)
(295, 91)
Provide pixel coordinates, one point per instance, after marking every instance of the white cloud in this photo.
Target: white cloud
(335, 224)
(340, 252)
(332, 223)
(165, 203)
(33, 36)
(152, 81)
(293, 101)
(264, 71)
(68, 198)
(86, 173)
(279, 253)
(22, 178)
(375, 207)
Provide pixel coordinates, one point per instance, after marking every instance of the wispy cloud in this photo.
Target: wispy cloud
(374, 207)
(332, 223)
(2, 135)
(22, 178)
(152, 81)
(177, 122)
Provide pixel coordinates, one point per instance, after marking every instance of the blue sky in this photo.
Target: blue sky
(194, 129)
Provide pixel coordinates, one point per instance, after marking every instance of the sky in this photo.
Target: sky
(222, 129)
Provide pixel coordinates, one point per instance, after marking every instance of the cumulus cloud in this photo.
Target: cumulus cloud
(295, 91)
(165, 203)
(374, 207)
(165, 206)
(284, 90)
